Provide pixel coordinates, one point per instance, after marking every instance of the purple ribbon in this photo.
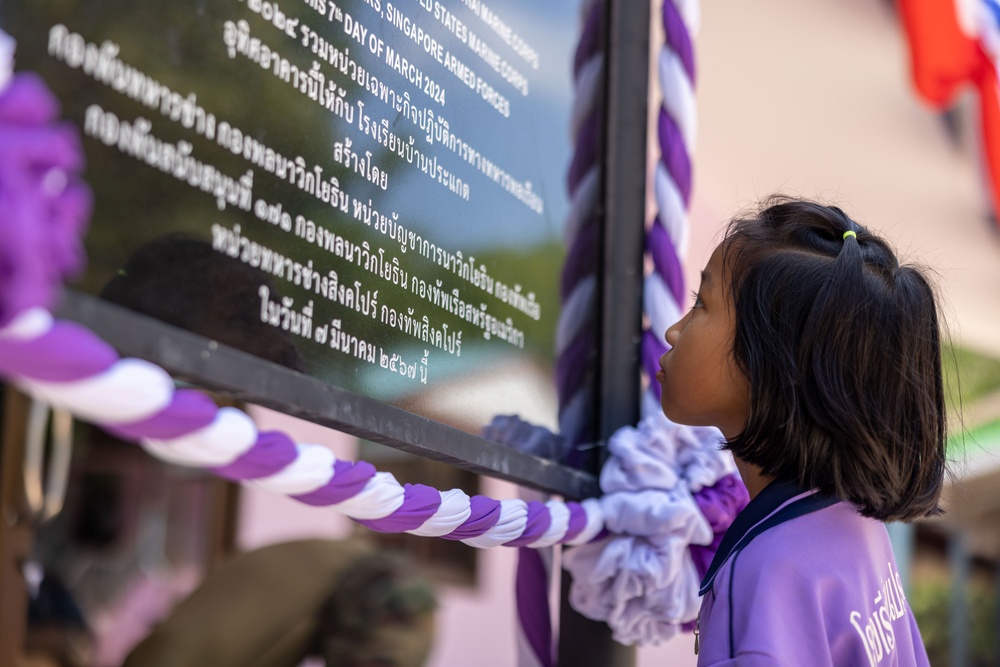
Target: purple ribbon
(348, 481)
(585, 155)
(719, 504)
(539, 521)
(40, 235)
(272, 453)
(577, 521)
(419, 504)
(591, 38)
(677, 37)
(530, 586)
(66, 353)
(485, 514)
(189, 410)
(665, 260)
(674, 155)
(572, 365)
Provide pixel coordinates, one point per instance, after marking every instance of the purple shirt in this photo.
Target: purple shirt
(803, 580)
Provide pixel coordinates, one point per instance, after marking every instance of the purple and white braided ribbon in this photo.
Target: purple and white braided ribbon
(575, 333)
(69, 367)
(666, 241)
(576, 330)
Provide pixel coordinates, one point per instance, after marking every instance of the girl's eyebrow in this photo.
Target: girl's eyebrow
(706, 277)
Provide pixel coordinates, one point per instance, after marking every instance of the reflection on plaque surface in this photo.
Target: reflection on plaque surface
(372, 192)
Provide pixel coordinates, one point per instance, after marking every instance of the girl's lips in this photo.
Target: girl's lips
(661, 373)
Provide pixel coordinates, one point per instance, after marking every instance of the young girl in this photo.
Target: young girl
(818, 356)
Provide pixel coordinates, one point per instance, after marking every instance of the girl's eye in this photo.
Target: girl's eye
(697, 299)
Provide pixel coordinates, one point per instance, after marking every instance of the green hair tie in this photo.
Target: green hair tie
(850, 233)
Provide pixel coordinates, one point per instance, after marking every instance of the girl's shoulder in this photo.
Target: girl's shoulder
(824, 584)
(794, 534)
(834, 534)
(833, 557)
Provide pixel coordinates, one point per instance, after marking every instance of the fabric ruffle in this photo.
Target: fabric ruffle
(43, 204)
(670, 493)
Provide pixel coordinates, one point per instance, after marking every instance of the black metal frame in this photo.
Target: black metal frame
(625, 212)
(581, 640)
(206, 363)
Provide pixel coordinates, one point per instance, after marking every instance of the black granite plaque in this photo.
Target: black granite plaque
(371, 192)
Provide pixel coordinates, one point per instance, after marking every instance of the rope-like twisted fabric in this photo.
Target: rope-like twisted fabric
(666, 240)
(69, 367)
(642, 577)
(576, 333)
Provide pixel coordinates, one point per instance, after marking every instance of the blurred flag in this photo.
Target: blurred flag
(947, 54)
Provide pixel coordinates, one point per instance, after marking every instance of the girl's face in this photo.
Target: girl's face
(702, 385)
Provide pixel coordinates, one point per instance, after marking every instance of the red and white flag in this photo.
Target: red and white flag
(947, 54)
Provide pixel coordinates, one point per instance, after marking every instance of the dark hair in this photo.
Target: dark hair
(841, 348)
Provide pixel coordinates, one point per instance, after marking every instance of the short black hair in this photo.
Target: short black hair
(841, 347)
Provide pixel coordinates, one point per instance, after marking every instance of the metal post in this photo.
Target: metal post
(902, 538)
(586, 642)
(625, 183)
(583, 641)
(958, 557)
(996, 609)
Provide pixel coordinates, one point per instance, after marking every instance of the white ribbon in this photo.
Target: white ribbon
(381, 496)
(578, 307)
(28, 325)
(230, 435)
(659, 303)
(510, 526)
(559, 514)
(673, 215)
(583, 205)
(678, 97)
(453, 511)
(588, 91)
(130, 390)
(312, 469)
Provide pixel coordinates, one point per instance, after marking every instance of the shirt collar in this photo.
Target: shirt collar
(765, 505)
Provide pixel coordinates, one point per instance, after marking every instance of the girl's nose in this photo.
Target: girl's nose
(673, 333)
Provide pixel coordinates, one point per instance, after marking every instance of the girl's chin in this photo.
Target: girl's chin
(679, 417)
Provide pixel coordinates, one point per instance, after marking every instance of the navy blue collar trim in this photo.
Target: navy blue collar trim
(750, 522)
